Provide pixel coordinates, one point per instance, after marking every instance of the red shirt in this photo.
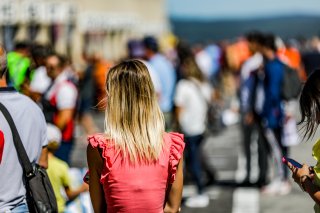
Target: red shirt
(140, 187)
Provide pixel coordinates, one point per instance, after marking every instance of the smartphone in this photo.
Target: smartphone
(293, 162)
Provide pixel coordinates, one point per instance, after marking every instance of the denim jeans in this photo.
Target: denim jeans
(21, 208)
(194, 159)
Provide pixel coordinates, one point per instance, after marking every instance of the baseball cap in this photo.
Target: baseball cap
(53, 134)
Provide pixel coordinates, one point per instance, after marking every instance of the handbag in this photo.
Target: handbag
(39, 192)
(213, 115)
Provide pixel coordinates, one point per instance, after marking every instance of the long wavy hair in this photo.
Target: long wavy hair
(133, 118)
(190, 69)
(310, 104)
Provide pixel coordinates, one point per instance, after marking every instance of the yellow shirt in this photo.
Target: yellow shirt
(316, 155)
(59, 177)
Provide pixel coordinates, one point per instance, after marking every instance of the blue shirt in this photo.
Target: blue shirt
(167, 76)
(272, 110)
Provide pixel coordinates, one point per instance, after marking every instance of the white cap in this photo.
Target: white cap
(54, 133)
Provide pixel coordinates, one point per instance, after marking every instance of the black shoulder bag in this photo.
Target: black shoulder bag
(39, 191)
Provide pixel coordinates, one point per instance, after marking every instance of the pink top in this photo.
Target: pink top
(141, 187)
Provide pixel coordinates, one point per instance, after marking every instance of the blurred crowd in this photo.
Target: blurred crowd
(236, 81)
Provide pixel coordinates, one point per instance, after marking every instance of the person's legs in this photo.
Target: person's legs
(278, 185)
(285, 184)
(263, 152)
(64, 151)
(284, 151)
(263, 148)
(275, 151)
(247, 135)
(193, 147)
(88, 123)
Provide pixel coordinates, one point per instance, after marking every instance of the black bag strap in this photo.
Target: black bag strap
(22, 154)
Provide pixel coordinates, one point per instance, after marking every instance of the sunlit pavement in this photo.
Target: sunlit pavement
(223, 152)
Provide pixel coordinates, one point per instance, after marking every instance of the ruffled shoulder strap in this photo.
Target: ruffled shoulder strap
(106, 145)
(176, 152)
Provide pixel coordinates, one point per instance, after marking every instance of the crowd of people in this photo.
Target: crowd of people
(147, 97)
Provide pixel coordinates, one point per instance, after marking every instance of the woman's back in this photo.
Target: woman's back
(134, 171)
(141, 186)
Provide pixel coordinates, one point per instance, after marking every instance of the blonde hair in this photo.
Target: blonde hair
(133, 117)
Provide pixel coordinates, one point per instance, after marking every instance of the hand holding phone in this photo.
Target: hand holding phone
(293, 162)
(296, 164)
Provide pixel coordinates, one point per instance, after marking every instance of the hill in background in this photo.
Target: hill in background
(215, 30)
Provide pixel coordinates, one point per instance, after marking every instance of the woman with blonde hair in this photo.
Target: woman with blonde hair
(135, 166)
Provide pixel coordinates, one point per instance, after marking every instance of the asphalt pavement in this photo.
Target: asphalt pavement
(223, 154)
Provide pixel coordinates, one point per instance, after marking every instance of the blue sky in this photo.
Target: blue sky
(218, 9)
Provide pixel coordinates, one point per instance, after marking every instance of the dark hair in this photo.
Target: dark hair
(269, 41)
(255, 36)
(184, 51)
(310, 104)
(135, 48)
(151, 43)
(191, 69)
(40, 51)
(22, 45)
(63, 60)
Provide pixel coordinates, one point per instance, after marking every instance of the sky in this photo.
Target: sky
(225, 9)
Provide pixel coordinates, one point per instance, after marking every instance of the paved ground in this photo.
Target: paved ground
(223, 152)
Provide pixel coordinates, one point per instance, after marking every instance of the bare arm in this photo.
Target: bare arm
(64, 116)
(95, 164)
(312, 190)
(174, 192)
(72, 194)
(43, 160)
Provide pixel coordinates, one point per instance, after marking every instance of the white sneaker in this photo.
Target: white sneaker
(272, 188)
(285, 188)
(277, 188)
(198, 201)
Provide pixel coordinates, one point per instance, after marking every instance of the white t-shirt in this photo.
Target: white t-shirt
(250, 65)
(194, 107)
(32, 129)
(253, 63)
(40, 81)
(66, 92)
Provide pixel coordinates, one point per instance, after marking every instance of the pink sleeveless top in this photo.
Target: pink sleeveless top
(142, 187)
